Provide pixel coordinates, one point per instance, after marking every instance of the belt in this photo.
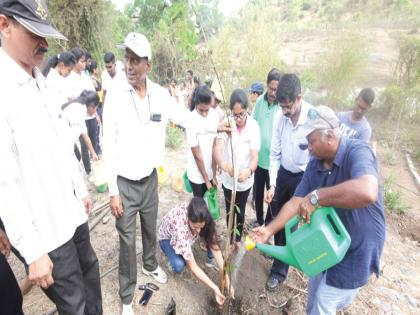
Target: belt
(289, 173)
(139, 181)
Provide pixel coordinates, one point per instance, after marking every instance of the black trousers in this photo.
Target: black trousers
(77, 288)
(198, 189)
(286, 184)
(261, 182)
(92, 126)
(241, 198)
(10, 295)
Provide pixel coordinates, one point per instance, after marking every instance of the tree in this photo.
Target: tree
(94, 25)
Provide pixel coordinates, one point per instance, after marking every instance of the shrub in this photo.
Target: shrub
(174, 137)
(393, 197)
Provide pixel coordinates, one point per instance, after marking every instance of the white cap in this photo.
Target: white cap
(139, 44)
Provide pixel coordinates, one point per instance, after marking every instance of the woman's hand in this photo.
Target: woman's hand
(227, 283)
(227, 167)
(220, 298)
(244, 175)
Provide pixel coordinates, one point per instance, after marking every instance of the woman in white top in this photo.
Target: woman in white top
(245, 140)
(75, 112)
(56, 71)
(201, 168)
(78, 80)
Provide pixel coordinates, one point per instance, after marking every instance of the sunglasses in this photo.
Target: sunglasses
(314, 114)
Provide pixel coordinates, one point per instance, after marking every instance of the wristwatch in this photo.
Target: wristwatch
(313, 198)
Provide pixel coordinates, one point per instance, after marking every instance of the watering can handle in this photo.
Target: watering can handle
(290, 225)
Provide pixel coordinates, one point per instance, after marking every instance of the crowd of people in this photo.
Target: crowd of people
(291, 155)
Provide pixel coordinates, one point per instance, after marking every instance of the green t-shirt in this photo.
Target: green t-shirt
(264, 115)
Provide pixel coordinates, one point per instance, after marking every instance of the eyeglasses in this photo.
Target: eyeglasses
(314, 114)
(240, 115)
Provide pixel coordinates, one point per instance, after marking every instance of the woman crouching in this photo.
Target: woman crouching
(179, 229)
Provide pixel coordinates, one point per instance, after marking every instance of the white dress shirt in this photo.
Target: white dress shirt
(41, 185)
(133, 144)
(285, 150)
(243, 142)
(108, 82)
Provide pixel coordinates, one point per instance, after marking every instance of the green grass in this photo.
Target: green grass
(174, 137)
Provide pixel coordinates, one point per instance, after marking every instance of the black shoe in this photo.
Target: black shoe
(273, 282)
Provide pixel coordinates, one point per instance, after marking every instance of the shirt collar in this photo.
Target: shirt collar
(149, 86)
(15, 72)
(341, 150)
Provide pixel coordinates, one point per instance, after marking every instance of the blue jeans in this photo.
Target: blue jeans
(326, 300)
(177, 261)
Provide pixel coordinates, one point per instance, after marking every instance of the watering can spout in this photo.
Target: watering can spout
(278, 252)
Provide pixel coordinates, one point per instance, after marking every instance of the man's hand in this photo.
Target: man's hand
(227, 167)
(4, 244)
(116, 206)
(269, 194)
(261, 234)
(220, 298)
(40, 271)
(244, 174)
(306, 208)
(95, 157)
(87, 202)
(214, 180)
(209, 185)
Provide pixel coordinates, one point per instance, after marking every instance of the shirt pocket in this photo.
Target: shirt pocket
(300, 151)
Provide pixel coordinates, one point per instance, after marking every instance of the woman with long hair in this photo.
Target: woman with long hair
(245, 141)
(179, 230)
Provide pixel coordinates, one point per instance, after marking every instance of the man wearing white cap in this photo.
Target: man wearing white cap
(343, 174)
(44, 198)
(135, 118)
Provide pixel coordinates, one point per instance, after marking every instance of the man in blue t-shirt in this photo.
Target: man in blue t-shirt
(354, 124)
(343, 174)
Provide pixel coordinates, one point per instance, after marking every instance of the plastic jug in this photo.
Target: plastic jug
(212, 200)
(313, 247)
(162, 175)
(99, 176)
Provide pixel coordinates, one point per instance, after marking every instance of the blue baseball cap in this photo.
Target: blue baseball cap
(257, 87)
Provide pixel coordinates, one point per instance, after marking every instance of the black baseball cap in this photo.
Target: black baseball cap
(33, 15)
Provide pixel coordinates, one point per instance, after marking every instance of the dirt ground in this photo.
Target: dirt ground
(396, 292)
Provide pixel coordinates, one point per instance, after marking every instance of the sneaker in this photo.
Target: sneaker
(211, 263)
(273, 282)
(255, 224)
(158, 274)
(127, 309)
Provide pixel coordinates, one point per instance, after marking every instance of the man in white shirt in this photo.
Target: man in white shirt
(44, 199)
(113, 74)
(289, 156)
(135, 119)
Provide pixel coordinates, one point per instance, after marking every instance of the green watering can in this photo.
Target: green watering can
(313, 247)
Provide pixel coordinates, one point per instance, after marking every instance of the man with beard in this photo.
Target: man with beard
(44, 198)
(288, 159)
(353, 124)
